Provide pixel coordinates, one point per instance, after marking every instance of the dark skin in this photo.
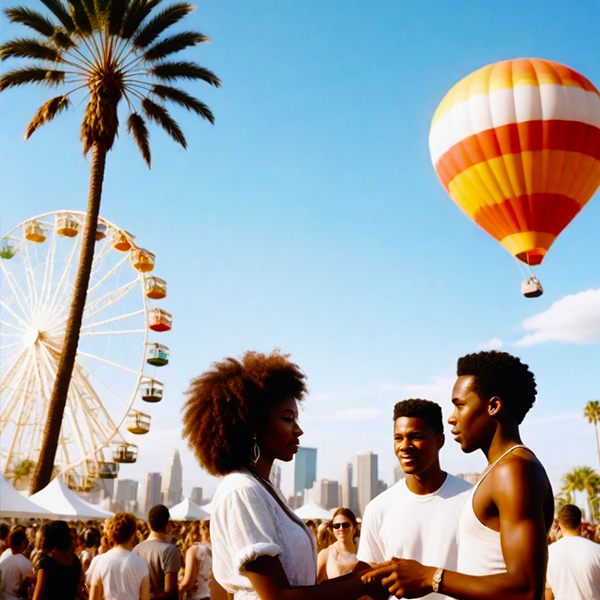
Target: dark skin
(417, 448)
(279, 438)
(515, 499)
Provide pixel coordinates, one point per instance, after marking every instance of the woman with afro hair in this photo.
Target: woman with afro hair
(239, 417)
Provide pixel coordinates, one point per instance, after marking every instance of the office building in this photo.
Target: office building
(366, 479)
(172, 484)
(153, 490)
(305, 469)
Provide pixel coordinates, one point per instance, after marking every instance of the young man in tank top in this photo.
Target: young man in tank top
(417, 517)
(503, 549)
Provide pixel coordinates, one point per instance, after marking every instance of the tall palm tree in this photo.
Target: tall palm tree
(582, 479)
(592, 413)
(114, 50)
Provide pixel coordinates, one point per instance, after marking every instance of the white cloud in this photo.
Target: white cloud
(493, 344)
(358, 414)
(574, 319)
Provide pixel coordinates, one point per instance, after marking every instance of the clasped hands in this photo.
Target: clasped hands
(400, 577)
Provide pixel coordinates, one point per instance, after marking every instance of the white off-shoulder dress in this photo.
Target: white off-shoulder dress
(246, 523)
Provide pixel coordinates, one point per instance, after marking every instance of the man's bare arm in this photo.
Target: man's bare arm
(519, 495)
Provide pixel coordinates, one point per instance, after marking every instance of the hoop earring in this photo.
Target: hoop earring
(254, 452)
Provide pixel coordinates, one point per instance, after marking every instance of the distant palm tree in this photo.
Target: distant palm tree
(592, 414)
(20, 473)
(113, 50)
(582, 479)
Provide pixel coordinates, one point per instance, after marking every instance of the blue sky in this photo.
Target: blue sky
(310, 219)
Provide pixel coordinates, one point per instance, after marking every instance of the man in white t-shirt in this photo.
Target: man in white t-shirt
(573, 561)
(16, 570)
(417, 518)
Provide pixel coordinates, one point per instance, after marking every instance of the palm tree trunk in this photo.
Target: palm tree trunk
(597, 443)
(58, 400)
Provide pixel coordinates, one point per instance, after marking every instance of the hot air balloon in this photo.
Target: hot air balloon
(516, 145)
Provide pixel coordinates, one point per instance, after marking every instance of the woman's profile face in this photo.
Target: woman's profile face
(343, 529)
(280, 437)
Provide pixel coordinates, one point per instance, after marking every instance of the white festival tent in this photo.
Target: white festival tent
(188, 510)
(64, 503)
(311, 510)
(14, 504)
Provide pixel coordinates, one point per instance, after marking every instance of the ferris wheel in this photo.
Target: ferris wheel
(116, 364)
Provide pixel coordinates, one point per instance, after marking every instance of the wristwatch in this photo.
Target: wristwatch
(437, 580)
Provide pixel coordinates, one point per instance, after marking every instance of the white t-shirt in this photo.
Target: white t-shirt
(14, 567)
(246, 523)
(574, 569)
(121, 573)
(401, 524)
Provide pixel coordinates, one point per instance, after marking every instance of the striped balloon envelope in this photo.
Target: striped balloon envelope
(516, 144)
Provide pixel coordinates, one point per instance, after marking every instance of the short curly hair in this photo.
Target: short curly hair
(121, 528)
(228, 403)
(503, 375)
(427, 410)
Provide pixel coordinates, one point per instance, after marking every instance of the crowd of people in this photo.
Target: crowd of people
(430, 535)
(121, 558)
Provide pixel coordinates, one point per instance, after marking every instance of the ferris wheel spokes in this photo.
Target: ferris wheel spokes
(110, 297)
(18, 293)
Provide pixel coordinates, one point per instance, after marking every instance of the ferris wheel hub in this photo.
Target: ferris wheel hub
(30, 337)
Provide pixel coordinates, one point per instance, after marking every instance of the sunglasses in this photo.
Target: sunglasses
(344, 525)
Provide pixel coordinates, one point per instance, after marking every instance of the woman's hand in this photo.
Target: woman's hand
(402, 578)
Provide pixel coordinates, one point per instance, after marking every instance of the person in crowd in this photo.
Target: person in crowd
(239, 417)
(417, 518)
(325, 536)
(197, 576)
(163, 558)
(16, 570)
(205, 534)
(104, 545)
(503, 527)
(573, 562)
(91, 543)
(39, 548)
(118, 574)
(4, 531)
(339, 558)
(312, 526)
(59, 575)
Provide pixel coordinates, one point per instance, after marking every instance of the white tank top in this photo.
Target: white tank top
(479, 549)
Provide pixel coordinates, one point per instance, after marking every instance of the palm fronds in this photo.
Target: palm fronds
(168, 71)
(62, 39)
(137, 127)
(112, 49)
(29, 48)
(31, 75)
(80, 17)
(32, 19)
(163, 20)
(183, 99)
(160, 115)
(137, 12)
(174, 43)
(114, 15)
(58, 9)
(46, 113)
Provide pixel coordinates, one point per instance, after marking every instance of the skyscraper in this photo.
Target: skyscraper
(172, 488)
(305, 469)
(153, 493)
(197, 495)
(349, 491)
(366, 479)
